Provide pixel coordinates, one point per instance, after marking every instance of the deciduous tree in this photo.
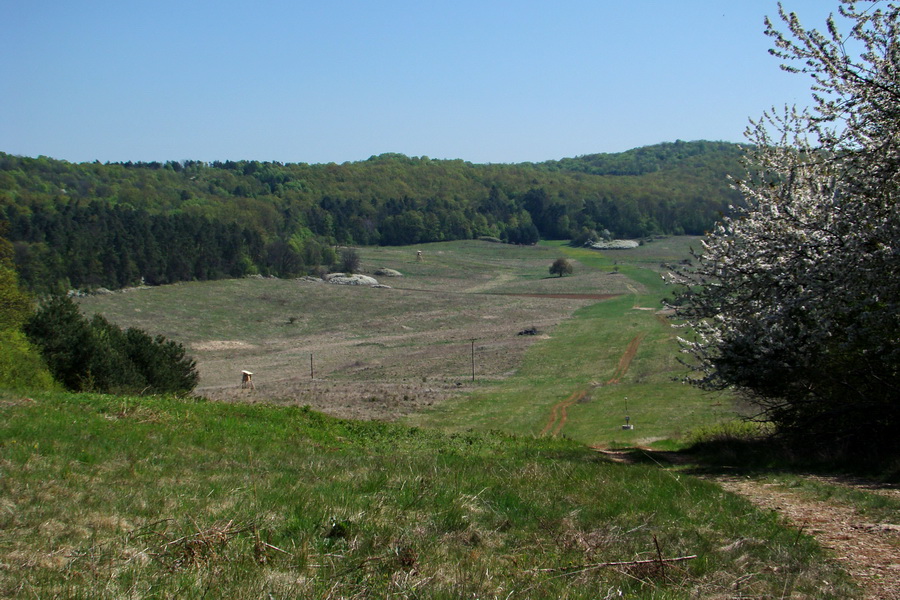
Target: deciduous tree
(795, 300)
(561, 267)
(350, 260)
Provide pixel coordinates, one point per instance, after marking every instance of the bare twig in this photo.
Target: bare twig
(626, 563)
(659, 557)
(268, 545)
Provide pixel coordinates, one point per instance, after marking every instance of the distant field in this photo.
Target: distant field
(407, 351)
(612, 359)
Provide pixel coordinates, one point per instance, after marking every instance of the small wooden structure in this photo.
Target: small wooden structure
(247, 380)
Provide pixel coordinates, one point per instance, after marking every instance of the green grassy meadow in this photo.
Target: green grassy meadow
(580, 367)
(110, 497)
(493, 492)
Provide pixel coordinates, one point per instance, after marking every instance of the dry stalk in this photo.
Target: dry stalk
(626, 563)
(197, 548)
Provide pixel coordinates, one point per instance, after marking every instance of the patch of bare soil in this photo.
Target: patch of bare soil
(386, 367)
(368, 400)
(870, 552)
(216, 345)
(625, 361)
(11, 402)
(559, 414)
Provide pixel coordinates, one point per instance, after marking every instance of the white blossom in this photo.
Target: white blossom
(795, 298)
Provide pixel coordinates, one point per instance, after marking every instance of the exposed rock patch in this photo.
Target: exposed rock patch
(384, 272)
(352, 279)
(615, 245)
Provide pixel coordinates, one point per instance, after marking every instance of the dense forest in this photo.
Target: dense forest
(118, 224)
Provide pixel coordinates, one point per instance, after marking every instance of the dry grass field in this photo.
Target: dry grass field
(367, 352)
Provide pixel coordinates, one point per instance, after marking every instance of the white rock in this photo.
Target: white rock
(615, 245)
(342, 279)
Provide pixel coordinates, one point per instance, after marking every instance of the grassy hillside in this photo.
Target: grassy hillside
(112, 497)
(261, 497)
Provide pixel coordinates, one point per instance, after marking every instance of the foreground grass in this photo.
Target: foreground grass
(107, 497)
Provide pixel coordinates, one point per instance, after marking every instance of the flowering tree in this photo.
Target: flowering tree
(795, 299)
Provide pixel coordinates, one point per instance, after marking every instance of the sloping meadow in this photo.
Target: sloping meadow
(115, 497)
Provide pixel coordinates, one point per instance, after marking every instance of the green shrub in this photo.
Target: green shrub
(350, 260)
(21, 367)
(728, 431)
(96, 355)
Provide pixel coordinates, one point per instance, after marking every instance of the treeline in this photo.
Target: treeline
(103, 245)
(93, 224)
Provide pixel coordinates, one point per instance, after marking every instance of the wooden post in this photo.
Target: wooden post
(312, 373)
(247, 380)
(473, 359)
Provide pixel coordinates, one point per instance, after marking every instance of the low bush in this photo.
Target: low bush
(96, 355)
(21, 367)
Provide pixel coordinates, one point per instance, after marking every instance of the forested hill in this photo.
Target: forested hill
(704, 158)
(93, 224)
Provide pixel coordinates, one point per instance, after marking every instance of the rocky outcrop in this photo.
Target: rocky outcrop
(351, 279)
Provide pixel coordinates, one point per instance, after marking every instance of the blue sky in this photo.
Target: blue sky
(341, 80)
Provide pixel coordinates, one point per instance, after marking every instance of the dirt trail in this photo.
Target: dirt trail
(559, 414)
(559, 411)
(870, 552)
(625, 361)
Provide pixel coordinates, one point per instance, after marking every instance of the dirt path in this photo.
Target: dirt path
(559, 414)
(559, 411)
(626, 359)
(870, 552)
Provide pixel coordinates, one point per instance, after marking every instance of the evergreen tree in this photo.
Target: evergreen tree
(96, 355)
(65, 340)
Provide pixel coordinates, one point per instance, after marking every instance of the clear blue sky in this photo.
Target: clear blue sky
(341, 80)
